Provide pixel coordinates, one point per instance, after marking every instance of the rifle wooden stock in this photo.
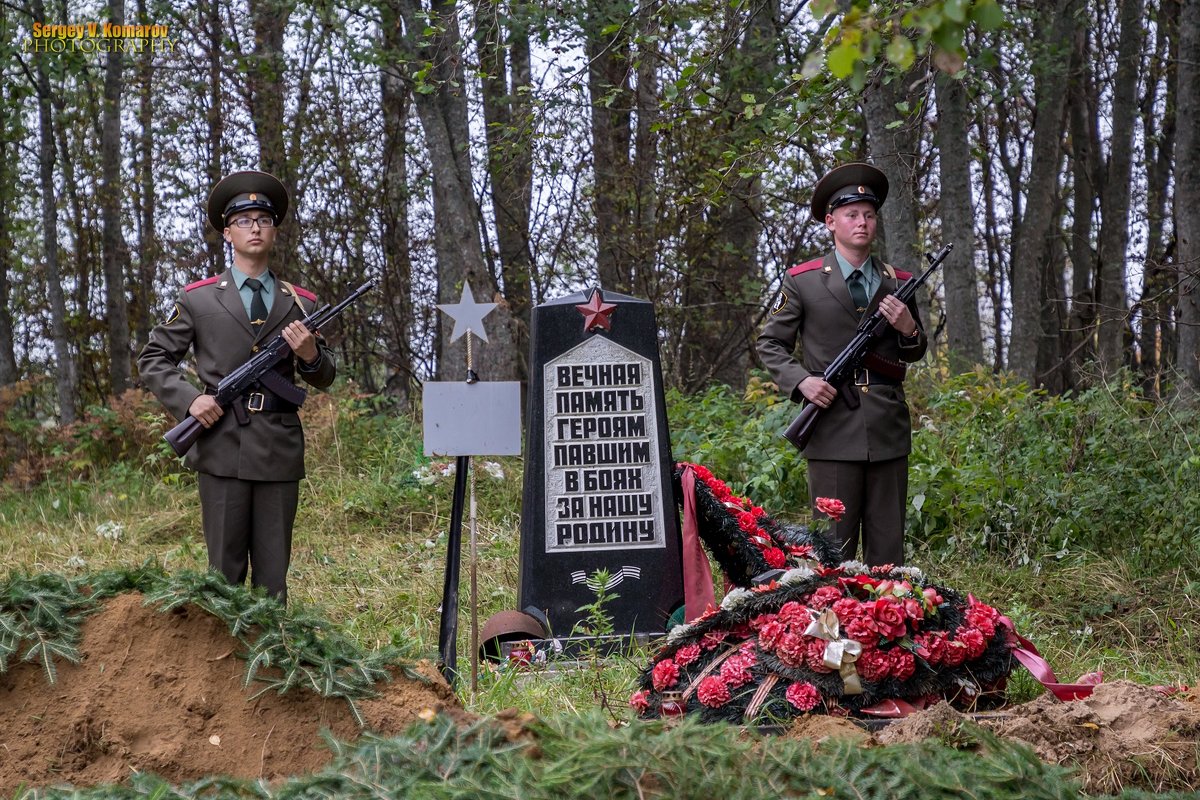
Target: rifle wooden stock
(802, 427)
(184, 435)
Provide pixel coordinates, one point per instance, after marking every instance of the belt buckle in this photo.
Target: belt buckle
(862, 377)
(251, 400)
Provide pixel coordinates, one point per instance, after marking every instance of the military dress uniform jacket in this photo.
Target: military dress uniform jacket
(210, 317)
(814, 306)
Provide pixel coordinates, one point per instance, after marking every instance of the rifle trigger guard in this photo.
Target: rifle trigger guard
(254, 402)
(862, 377)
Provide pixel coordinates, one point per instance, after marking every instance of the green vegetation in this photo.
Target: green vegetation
(580, 756)
(1076, 517)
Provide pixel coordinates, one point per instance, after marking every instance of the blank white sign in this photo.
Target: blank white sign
(472, 419)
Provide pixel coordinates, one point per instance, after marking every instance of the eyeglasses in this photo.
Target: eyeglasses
(246, 222)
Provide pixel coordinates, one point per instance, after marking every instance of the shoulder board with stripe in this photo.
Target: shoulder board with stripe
(807, 266)
(198, 284)
(305, 293)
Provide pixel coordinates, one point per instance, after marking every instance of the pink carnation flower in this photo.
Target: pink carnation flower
(687, 654)
(973, 640)
(803, 696)
(665, 674)
(903, 664)
(712, 692)
(874, 665)
(814, 654)
(768, 635)
(790, 649)
(640, 701)
(735, 671)
(824, 597)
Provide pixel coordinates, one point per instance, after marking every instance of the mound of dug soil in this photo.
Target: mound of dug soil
(1124, 736)
(163, 693)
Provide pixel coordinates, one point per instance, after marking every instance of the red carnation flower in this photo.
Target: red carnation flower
(824, 597)
(768, 635)
(795, 614)
(862, 629)
(665, 674)
(803, 696)
(981, 622)
(874, 665)
(831, 507)
(747, 522)
(889, 617)
(932, 647)
(775, 557)
(814, 654)
(982, 609)
(903, 664)
(790, 649)
(712, 692)
(735, 671)
(847, 608)
(749, 652)
(972, 639)
(955, 653)
(640, 701)
(687, 654)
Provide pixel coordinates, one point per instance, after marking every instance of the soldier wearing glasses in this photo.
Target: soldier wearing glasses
(859, 452)
(251, 460)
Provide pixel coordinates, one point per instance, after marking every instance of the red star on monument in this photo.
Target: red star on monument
(596, 312)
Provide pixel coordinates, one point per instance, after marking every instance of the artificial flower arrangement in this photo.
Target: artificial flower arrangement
(743, 538)
(820, 637)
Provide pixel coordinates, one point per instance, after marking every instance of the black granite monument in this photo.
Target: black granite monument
(598, 491)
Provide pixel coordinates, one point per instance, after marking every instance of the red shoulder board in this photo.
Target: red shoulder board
(807, 266)
(305, 293)
(901, 275)
(198, 284)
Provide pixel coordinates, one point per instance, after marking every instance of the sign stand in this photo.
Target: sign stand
(463, 419)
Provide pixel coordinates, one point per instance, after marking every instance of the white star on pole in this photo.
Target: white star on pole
(467, 314)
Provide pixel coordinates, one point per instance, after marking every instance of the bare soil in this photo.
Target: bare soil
(1124, 736)
(163, 693)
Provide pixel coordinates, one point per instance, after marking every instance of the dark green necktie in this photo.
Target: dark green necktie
(258, 309)
(858, 289)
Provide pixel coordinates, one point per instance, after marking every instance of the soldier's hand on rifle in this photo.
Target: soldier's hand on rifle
(817, 391)
(897, 313)
(206, 409)
(301, 340)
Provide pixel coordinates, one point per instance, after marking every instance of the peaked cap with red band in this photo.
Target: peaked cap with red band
(243, 191)
(850, 183)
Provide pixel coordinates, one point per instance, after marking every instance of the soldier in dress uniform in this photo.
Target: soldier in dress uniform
(859, 451)
(250, 460)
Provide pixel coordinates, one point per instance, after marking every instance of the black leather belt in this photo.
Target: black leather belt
(869, 377)
(254, 402)
(263, 401)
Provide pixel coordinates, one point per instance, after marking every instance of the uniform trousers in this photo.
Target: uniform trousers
(876, 497)
(248, 526)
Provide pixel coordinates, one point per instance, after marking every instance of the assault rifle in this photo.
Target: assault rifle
(842, 368)
(258, 372)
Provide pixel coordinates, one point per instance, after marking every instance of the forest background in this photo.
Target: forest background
(664, 149)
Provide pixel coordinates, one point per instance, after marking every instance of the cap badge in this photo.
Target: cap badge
(254, 197)
(861, 190)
